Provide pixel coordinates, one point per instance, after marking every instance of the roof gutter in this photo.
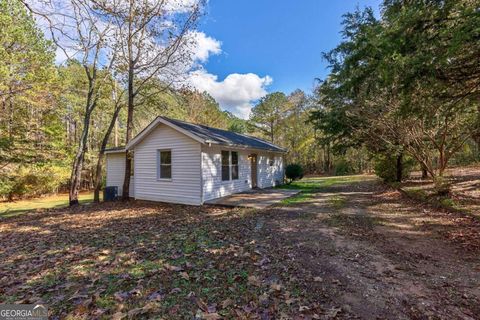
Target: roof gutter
(114, 151)
(243, 147)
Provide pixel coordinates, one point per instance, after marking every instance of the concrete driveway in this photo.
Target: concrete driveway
(255, 198)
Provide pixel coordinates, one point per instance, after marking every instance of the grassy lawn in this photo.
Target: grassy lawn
(143, 260)
(464, 196)
(310, 185)
(134, 260)
(9, 209)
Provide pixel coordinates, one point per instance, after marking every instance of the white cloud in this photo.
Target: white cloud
(178, 6)
(62, 55)
(204, 46)
(236, 93)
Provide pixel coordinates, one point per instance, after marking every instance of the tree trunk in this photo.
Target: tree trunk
(328, 160)
(128, 160)
(101, 153)
(272, 132)
(98, 176)
(441, 163)
(76, 176)
(116, 134)
(399, 173)
(10, 117)
(424, 172)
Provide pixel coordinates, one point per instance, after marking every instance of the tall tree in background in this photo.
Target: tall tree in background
(27, 85)
(43, 120)
(390, 87)
(297, 135)
(32, 146)
(268, 113)
(435, 66)
(201, 108)
(82, 34)
(118, 102)
(155, 43)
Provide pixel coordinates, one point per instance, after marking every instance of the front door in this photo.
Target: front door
(253, 166)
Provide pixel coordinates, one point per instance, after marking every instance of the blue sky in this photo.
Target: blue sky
(278, 44)
(245, 49)
(282, 39)
(248, 48)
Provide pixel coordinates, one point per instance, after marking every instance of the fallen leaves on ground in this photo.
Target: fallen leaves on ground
(142, 260)
(132, 260)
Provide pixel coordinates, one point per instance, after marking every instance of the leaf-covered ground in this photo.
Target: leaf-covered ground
(464, 195)
(344, 248)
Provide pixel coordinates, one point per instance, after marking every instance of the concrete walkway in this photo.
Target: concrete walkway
(255, 198)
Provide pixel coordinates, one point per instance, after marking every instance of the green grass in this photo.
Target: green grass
(449, 203)
(301, 197)
(444, 202)
(14, 208)
(417, 193)
(309, 186)
(337, 202)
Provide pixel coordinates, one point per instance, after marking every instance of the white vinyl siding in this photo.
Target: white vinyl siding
(269, 176)
(116, 172)
(215, 187)
(185, 184)
(196, 170)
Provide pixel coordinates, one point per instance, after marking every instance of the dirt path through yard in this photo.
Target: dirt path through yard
(352, 249)
(362, 251)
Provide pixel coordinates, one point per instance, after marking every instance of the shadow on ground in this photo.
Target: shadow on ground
(351, 249)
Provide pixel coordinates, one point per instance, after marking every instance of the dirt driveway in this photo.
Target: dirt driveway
(345, 248)
(373, 254)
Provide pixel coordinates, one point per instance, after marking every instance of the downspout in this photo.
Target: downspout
(201, 175)
(209, 143)
(134, 176)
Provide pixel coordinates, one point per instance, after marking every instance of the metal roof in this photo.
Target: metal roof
(208, 135)
(115, 149)
(224, 137)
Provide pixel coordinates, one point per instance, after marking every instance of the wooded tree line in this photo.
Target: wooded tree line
(287, 121)
(406, 86)
(403, 90)
(57, 119)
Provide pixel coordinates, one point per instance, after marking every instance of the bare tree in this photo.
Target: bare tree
(432, 137)
(154, 42)
(119, 103)
(83, 34)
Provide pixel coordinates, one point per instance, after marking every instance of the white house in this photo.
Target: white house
(180, 162)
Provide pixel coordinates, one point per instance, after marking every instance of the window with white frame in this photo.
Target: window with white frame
(271, 161)
(234, 167)
(230, 165)
(225, 165)
(164, 164)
